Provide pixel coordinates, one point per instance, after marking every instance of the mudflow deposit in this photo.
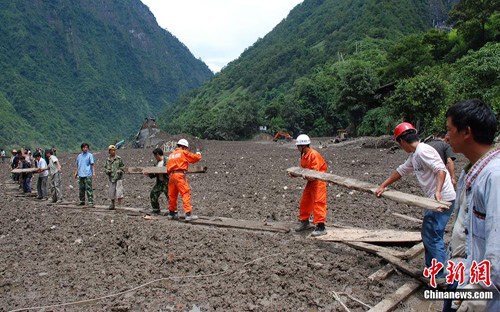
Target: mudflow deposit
(63, 258)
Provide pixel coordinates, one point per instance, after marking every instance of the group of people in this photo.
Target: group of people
(170, 183)
(48, 166)
(471, 128)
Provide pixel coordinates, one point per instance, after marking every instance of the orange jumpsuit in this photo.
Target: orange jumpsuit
(314, 196)
(178, 163)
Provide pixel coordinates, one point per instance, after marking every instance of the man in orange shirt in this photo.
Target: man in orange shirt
(314, 196)
(177, 165)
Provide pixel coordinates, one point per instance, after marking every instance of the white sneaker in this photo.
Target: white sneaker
(190, 217)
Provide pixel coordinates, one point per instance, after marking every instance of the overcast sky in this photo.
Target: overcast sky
(218, 31)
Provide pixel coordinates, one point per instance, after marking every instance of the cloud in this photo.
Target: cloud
(218, 31)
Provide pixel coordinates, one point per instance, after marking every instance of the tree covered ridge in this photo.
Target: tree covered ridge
(337, 64)
(86, 70)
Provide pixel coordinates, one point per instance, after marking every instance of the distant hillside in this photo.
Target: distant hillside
(315, 34)
(86, 70)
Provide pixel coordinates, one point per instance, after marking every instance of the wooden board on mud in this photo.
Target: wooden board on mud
(409, 199)
(368, 236)
(242, 224)
(157, 170)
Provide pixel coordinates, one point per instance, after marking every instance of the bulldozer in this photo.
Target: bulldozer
(281, 135)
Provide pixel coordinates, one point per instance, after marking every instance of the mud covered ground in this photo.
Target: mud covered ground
(61, 259)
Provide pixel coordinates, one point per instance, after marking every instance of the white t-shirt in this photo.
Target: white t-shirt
(42, 164)
(52, 164)
(425, 162)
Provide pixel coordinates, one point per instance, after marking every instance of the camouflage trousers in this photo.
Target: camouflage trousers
(155, 193)
(85, 187)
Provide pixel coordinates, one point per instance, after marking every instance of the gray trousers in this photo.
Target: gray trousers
(41, 187)
(56, 187)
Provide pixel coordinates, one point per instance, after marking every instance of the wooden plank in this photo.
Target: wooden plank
(368, 236)
(158, 170)
(388, 269)
(409, 199)
(414, 251)
(381, 274)
(374, 248)
(242, 224)
(25, 170)
(402, 216)
(403, 266)
(392, 301)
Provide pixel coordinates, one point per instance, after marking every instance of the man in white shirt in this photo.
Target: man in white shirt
(435, 181)
(41, 184)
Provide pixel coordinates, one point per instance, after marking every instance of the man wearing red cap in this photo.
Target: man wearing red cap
(435, 182)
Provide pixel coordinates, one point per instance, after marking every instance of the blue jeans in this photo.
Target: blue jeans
(432, 232)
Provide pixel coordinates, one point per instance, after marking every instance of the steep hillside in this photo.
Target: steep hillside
(86, 70)
(315, 33)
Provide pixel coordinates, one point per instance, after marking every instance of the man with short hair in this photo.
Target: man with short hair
(84, 172)
(55, 177)
(177, 165)
(114, 169)
(314, 196)
(41, 183)
(160, 186)
(471, 130)
(435, 182)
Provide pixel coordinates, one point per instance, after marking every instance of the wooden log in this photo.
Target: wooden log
(403, 266)
(391, 302)
(402, 216)
(159, 170)
(368, 236)
(409, 199)
(25, 170)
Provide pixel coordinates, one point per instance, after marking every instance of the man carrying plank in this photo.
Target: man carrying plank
(161, 182)
(435, 182)
(314, 195)
(177, 165)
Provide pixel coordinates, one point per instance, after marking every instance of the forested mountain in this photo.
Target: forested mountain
(323, 68)
(86, 70)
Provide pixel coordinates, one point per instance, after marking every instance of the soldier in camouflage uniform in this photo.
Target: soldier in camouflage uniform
(161, 185)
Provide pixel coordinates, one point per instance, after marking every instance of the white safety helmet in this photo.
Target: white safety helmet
(303, 139)
(183, 142)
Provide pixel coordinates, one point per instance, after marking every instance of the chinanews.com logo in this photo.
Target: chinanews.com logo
(478, 272)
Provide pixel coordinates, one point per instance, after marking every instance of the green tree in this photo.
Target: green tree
(477, 75)
(407, 58)
(356, 89)
(474, 21)
(418, 99)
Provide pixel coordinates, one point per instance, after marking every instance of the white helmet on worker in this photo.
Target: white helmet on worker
(303, 139)
(183, 142)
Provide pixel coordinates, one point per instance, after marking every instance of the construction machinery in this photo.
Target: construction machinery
(281, 135)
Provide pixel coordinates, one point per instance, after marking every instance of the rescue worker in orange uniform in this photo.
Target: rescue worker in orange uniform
(177, 166)
(314, 195)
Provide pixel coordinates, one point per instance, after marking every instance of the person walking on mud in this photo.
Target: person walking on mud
(435, 181)
(177, 165)
(314, 195)
(160, 186)
(55, 176)
(114, 170)
(84, 173)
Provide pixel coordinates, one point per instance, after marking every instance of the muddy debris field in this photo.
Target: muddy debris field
(58, 258)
